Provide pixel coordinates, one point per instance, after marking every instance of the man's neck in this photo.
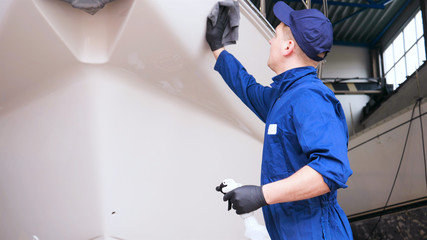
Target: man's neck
(283, 67)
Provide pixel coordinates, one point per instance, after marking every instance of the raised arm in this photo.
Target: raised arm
(255, 96)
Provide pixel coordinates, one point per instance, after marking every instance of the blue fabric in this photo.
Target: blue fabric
(307, 127)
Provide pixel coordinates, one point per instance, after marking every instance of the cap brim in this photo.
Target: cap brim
(283, 12)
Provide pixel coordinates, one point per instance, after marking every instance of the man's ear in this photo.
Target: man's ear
(288, 47)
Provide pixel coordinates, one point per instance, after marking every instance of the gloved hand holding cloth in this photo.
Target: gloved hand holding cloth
(222, 24)
(246, 199)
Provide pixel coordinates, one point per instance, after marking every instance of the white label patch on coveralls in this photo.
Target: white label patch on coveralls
(272, 129)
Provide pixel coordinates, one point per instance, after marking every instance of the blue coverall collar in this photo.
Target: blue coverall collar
(284, 80)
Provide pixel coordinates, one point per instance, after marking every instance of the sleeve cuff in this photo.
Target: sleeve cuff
(333, 184)
(220, 60)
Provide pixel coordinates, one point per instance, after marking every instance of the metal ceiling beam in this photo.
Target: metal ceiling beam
(371, 4)
(351, 44)
(390, 22)
(354, 88)
(382, 3)
(349, 16)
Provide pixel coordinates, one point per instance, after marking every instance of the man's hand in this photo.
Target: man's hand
(214, 33)
(246, 199)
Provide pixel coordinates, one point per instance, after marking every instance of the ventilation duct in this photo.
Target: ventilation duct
(89, 6)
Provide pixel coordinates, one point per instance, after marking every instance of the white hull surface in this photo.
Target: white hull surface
(116, 126)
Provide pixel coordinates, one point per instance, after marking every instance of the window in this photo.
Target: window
(406, 53)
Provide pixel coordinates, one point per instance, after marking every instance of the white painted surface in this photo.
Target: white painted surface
(353, 106)
(131, 147)
(91, 39)
(375, 164)
(347, 62)
(147, 135)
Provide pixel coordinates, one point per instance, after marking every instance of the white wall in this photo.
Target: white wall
(349, 62)
(352, 106)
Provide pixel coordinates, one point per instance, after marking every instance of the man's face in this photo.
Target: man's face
(277, 45)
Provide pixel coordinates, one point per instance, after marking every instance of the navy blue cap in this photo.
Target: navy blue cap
(311, 29)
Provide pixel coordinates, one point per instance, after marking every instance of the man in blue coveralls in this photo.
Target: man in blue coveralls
(305, 144)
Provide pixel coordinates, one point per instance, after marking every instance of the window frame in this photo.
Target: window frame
(397, 81)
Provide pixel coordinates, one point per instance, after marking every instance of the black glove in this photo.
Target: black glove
(246, 199)
(214, 33)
